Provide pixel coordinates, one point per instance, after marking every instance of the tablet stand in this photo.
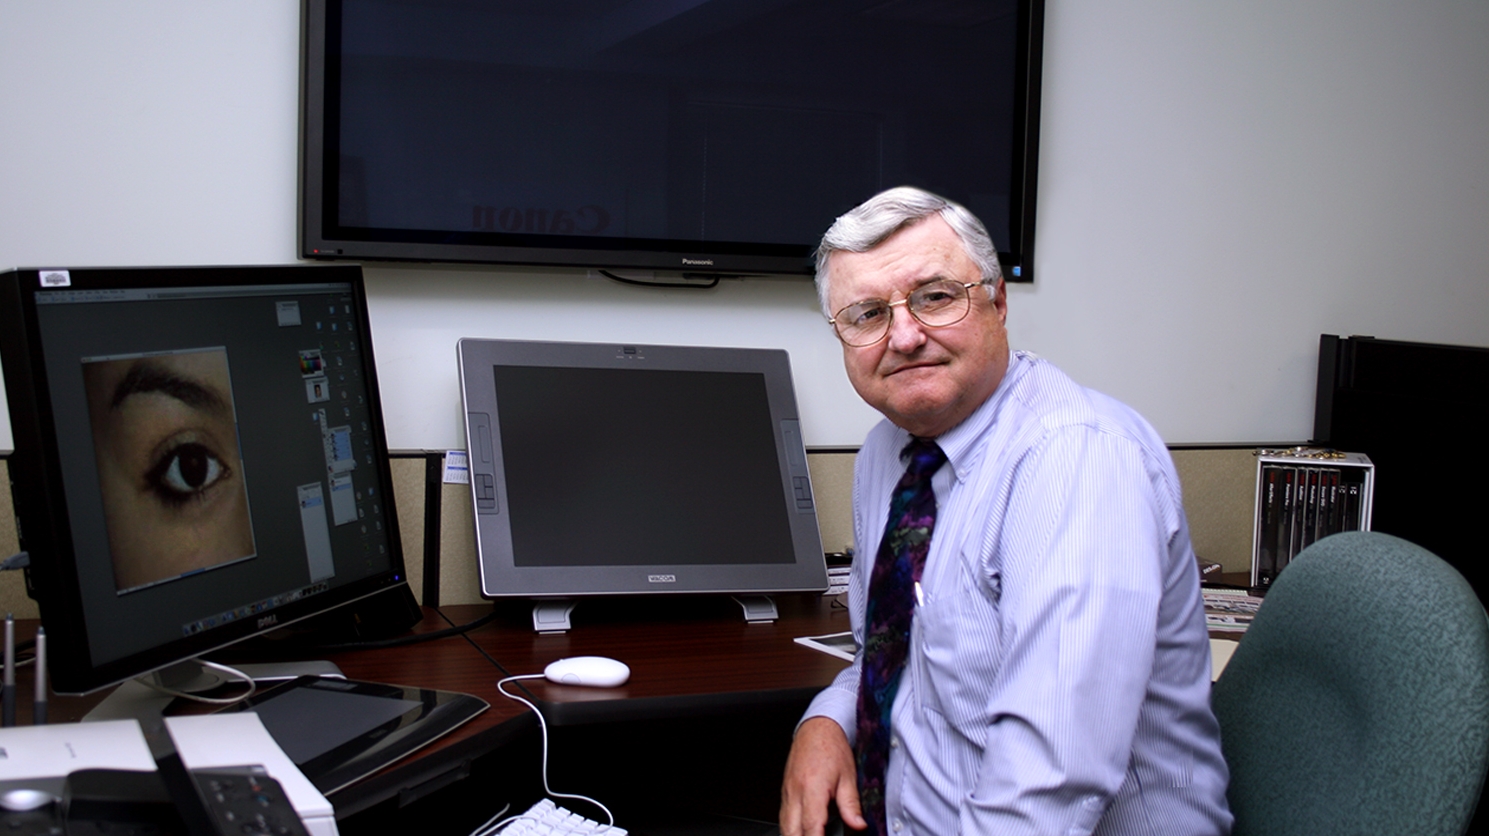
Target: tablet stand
(551, 615)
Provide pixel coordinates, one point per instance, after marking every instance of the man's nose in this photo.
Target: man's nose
(906, 333)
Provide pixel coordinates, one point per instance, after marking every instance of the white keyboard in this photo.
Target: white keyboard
(548, 819)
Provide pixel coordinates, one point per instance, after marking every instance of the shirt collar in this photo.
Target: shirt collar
(960, 442)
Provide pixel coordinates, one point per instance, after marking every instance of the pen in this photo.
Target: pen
(39, 712)
(8, 692)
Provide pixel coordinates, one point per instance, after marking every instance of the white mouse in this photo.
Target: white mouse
(598, 671)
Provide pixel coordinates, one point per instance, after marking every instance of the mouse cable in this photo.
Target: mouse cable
(491, 824)
(543, 725)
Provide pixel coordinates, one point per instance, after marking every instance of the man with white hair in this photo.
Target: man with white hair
(1033, 654)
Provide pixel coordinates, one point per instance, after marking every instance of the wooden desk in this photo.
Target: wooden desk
(450, 664)
(685, 661)
(1235, 580)
(702, 726)
(690, 661)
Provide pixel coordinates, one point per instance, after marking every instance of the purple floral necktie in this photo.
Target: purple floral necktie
(891, 608)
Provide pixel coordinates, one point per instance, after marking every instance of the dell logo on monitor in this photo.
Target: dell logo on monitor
(268, 621)
(661, 579)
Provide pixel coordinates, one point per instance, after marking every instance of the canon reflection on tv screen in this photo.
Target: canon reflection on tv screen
(715, 137)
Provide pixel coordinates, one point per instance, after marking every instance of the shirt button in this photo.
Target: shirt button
(894, 743)
(898, 825)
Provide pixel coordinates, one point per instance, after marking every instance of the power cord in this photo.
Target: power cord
(464, 629)
(415, 638)
(232, 672)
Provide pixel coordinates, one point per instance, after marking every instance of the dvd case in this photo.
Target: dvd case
(1304, 494)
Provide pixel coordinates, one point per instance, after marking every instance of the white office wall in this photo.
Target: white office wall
(1220, 183)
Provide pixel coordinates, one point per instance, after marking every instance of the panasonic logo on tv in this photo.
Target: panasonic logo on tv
(661, 579)
(698, 262)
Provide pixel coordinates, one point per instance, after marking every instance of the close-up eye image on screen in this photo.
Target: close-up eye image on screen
(165, 437)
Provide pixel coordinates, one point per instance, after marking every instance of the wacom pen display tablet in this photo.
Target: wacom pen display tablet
(339, 730)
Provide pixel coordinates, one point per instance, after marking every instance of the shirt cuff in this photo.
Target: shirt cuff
(837, 703)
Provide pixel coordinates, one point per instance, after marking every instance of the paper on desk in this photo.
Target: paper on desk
(1220, 653)
(840, 645)
(239, 739)
(43, 756)
(1229, 610)
(53, 751)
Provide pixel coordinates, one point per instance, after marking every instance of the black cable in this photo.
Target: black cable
(416, 638)
(643, 283)
(479, 649)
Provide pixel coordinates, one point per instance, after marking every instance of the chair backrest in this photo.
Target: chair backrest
(1358, 700)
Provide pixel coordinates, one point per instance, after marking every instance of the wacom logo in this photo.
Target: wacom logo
(661, 579)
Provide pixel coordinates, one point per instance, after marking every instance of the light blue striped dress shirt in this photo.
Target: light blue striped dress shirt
(1059, 671)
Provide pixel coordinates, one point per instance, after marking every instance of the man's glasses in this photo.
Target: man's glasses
(935, 305)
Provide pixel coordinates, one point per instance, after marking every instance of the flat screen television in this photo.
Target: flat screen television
(716, 137)
(606, 469)
(199, 457)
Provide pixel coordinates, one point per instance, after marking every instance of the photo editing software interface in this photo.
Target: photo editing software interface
(218, 453)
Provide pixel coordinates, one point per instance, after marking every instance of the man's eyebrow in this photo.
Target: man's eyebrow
(917, 286)
(939, 277)
(147, 377)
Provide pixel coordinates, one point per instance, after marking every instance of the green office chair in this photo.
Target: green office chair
(1358, 701)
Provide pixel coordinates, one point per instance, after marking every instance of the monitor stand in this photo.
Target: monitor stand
(758, 609)
(551, 615)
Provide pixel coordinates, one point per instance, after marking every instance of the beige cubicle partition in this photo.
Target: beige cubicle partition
(1219, 484)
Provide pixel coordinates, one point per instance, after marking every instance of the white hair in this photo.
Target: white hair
(867, 226)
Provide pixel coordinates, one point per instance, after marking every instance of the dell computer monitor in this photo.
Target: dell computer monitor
(621, 469)
(199, 457)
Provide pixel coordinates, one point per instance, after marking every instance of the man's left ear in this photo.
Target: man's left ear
(1000, 299)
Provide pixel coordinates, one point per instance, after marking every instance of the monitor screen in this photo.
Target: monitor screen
(199, 457)
(626, 469)
(716, 137)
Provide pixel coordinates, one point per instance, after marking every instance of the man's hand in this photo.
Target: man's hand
(819, 769)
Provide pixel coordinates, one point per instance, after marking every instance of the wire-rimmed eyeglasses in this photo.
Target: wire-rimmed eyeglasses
(934, 305)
